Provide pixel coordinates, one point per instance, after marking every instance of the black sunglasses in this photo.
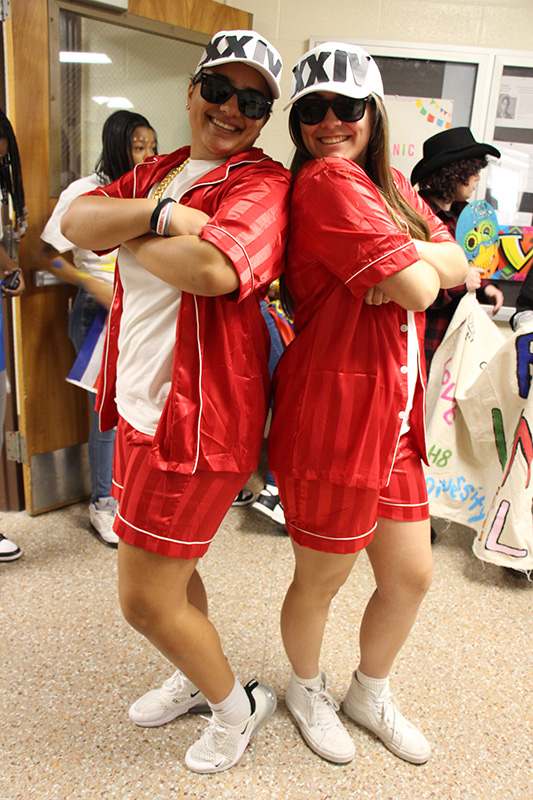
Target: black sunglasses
(218, 89)
(312, 110)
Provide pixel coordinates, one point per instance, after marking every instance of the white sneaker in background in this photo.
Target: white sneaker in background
(175, 697)
(102, 515)
(315, 711)
(8, 549)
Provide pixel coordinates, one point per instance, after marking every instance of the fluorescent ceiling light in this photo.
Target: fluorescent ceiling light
(113, 102)
(66, 56)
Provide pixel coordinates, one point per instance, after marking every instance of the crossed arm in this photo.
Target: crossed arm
(182, 259)
(441, 266)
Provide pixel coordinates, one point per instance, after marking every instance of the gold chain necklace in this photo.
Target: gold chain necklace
(165, 182)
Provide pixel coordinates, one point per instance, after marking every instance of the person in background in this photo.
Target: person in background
(524, 303)
(127, 139)
(12, 281)
(347, 436)
(447, 177)
(202, 234)
(267, 502)
(281, 331)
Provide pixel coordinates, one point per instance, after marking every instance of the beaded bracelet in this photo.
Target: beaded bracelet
(160, 219)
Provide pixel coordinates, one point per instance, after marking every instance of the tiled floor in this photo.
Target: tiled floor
(70, 667)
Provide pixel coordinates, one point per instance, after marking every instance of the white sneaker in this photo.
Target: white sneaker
(8, 549)
(176, 696)
(221, 746)
(316, 715)
(379, 714)
(268, 503)
(102, 515)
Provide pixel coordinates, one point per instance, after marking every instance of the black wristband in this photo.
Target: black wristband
(156, 212)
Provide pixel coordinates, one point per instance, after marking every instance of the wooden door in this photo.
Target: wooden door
(53, 415)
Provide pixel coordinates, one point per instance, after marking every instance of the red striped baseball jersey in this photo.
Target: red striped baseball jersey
(341, 386)
(215, 413)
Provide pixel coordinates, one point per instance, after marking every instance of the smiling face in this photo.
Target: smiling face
(332, 137)
(221, 130)
(143, 144)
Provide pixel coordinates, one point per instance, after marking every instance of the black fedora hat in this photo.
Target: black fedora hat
(444, 148)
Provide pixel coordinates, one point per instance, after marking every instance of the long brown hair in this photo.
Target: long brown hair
(377, 168)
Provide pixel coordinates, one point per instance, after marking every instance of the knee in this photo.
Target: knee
(421, 581)
(321, 589)
(139, 612)
(411, 586)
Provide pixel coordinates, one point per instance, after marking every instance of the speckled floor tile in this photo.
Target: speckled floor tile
(71, 666)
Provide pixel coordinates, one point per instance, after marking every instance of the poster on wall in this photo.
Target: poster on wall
(515, 103)
(412, 121)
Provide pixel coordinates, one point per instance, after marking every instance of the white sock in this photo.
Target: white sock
(309, 683)
(235, 708)
(377, 685)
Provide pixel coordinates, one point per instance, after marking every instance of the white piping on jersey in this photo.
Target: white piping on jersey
(222, 179)
(412, 339)
(376, 260)
(157, 536)
(335, 538)
(217, 228)
(200, 360)
(402, 505)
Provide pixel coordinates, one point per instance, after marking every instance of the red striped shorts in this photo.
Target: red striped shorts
(164, 512)
(342, 519)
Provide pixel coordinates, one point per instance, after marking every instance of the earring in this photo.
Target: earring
(187, 106)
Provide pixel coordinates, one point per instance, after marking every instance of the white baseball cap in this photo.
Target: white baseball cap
(336, 67)
(247, 47)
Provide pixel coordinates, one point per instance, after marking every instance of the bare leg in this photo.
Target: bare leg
(317, 579)
(196, 593)
(401, 557)
(153, 592)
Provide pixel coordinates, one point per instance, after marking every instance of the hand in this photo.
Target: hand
(473, 279)
(494, 297)
(63, 269)
(186, 221)
(375, 297)
(14, 292)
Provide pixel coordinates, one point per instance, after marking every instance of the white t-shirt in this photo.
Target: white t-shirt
(101, 267)
(148, 326)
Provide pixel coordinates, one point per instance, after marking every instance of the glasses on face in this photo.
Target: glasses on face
(218, 89)
(312, 110)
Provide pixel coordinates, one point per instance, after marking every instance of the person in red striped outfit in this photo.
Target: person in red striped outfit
(202, 234)
(365, 258)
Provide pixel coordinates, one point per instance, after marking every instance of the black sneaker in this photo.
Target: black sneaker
(244, 498)
(268, 503)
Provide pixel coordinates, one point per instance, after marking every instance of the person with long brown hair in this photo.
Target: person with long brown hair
(365, 258)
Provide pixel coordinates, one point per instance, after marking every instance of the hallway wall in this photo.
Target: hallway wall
(470, 23)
